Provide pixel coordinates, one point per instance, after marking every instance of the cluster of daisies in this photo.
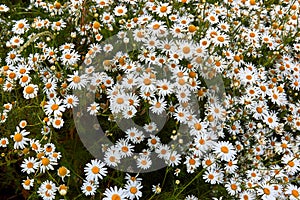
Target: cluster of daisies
(226, 73)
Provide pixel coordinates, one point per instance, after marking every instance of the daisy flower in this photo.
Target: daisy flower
(133, 189)
(4, 142)
(58, 25)
(292, 164)
(62, 172)
(293, 192)
(163, 151)
(120, 10)
(158, 106)
(21, 26)
(112, 157)
(190, 197)
(47, 163)
(55, 107)
(95, 170)
(20, 139)
(125, 149)
(174, 159)
(30, 91)
(144, 162)
(4, 8)
(29, 165)
(89, 187)
(165, 87)
(191, 164)
(93, 109)
(27, 183)
(163, 9)
(225, 150)
(134, 135)
(114, 193)
(71, 101)
(77, 81)
(69, 57)
(213, 176)
(266, 191)
(47, 190)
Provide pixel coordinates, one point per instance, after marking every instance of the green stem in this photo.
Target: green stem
(196, 177)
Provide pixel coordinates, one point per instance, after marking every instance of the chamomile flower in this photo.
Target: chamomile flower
(133, 189)
(30, 91)
(293, 192)
(89, 188)
(20, 139)
(225, 150)
(27, 183)
(95, 170)
(112, 157)
(47, 163)
(47, 190)
(4, 142)
(20, 26)
(4, 8)
(120, 10)
(93, 109)
(144, 162)
(163, 9)
(29, 165)
(112, 193)
(63, 172)
(71, 101)
(55, 107)
(77, 81)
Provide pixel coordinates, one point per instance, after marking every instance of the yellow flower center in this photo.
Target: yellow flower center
(18, 137)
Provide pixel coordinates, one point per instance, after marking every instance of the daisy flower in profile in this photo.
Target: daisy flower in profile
(89, 187)
(27, 183)
(95, 170)
(225, 150)
(4, 142)
(20, 26)
(113, 193)
(77, 81)
(292, 164)
(30, 91)
(266, 191)
(20, 139)
(29, 165)
(4, 8)
(133, 189)
(144, 162)
(120, 11)
(62, 172)
(293, 192)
